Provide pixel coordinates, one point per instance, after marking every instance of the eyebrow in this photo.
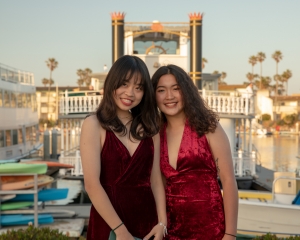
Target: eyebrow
(175, 85)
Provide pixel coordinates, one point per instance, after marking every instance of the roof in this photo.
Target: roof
(286, 98)
(231, 87)
(62, 88)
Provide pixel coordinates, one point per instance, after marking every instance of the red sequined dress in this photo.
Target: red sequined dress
(126, 180)
(194, 200)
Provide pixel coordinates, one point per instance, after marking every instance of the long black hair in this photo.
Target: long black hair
(145, 116)
(200, 117)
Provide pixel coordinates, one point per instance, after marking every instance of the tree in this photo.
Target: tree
(45, 81)
(286, 75)
(260, 58)
(88, 78)
(277, 56)
(250, 77)
(223, 76)
(51, 64)
(204, 61)
(84, 76)
(80, 83)
(252, 61)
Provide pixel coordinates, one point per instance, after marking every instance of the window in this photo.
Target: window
(34, 103)
(13, 102)
(15, 136)
(19, 97)
(28, 100)
(20, 136)
(37, 133)
(6, 99)
(3, 73)
(1, 102)
(24, 104)
(28, 134)
(8, 137)
(2, 138)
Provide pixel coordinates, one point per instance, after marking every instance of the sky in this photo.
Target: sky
(78, 34)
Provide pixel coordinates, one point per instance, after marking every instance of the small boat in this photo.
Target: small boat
(12, 220)
(6, 197)
(269, 212)
(23, 182)
(6, 168)
(15, 205)
(55, 213)
(49, 163)
(44, 195)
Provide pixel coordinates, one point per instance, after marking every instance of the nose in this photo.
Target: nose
(169, 94)
(130, 91)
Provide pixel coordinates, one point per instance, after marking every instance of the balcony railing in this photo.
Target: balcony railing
(14, 75)
(222, 102)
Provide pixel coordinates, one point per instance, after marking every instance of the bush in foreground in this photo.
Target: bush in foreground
(270, 236)
(32, 233)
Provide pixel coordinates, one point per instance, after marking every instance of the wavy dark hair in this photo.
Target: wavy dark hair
(145, 116)
(200, 117)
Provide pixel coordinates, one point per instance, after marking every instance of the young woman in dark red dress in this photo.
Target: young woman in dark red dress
(119, 148)
(194, 151)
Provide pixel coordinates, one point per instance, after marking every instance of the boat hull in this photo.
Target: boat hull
(266, 217)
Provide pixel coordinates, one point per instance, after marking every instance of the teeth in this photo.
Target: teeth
(126, 101)
(170, 104)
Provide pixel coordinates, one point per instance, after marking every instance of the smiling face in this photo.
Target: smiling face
(169, 97)
(129, 94)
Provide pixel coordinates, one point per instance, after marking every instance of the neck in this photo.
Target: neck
(175, 121)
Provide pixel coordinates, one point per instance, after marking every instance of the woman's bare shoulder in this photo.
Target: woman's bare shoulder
(91, 123)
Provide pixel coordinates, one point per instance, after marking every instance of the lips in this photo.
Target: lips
(171, 104)
(126, 102)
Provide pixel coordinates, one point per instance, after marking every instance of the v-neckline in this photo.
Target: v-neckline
(168, 159)
(126, 147)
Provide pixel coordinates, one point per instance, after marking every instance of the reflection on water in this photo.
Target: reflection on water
(278, 152)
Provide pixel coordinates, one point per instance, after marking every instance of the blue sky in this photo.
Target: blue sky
(77, 34)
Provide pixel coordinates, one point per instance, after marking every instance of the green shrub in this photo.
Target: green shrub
(265, 117)
(32, 233)
(270, 236)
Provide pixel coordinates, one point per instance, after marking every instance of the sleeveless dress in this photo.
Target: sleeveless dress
(193, 196)
(126, 180)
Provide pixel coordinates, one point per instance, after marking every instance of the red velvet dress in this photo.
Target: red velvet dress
(126, 180)
(194, 200)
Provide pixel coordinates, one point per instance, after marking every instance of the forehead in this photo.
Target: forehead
(134, 77)
(167, 80)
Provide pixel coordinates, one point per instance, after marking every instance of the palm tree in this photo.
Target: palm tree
(84, 76)
(223, 76)
(88, 78)
(79, 83)
(219, 79)
(285, 77)
(51, 82)
(51, 64)
(252, 61)
(250, 76)
(45, 81)
(260, 58)
(277, 56)
(204, 60)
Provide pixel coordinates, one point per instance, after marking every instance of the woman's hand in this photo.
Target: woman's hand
(123, 234)
(157, 232)
(228, 237)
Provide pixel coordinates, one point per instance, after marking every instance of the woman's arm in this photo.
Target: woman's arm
(221, 150)
(90, 148)
(158, 192)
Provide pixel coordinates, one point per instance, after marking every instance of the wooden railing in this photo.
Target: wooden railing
(222, 102)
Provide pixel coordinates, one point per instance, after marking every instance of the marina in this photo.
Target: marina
(41, 175)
